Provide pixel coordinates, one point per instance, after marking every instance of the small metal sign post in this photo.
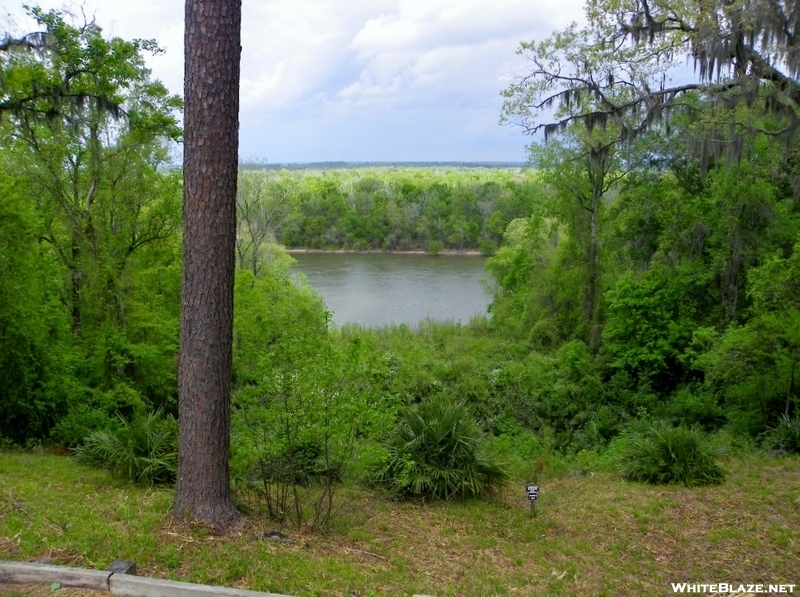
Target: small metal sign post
(533, 495)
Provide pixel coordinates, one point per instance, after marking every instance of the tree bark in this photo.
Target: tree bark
(597, 169)
(211, 122)
(591, 292)
(789, 391)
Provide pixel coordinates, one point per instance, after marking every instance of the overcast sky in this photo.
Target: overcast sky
(361, 80)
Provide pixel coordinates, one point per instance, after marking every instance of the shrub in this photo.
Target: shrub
(297, 485)
(520, 447)
(658, 453)
(487, 247)
(303, 464)
(785, 435)
(89, 410)
(688, 406)
(437, 451)
(434, 247)
(143, 449)
(293, 415)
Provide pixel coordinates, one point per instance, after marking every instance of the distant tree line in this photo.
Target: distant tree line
(421, 209)
(255, 164)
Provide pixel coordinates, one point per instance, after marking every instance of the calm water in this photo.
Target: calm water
(382, 289)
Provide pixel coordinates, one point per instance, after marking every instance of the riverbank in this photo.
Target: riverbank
(465, 253)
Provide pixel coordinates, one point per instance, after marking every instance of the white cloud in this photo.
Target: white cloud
(288, 48)
(435, 45)
(355, 51)
(358, 62)
(144, 19)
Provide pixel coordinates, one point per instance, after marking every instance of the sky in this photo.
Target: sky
(359, 80)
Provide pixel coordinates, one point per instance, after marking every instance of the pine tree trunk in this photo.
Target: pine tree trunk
(211, 88)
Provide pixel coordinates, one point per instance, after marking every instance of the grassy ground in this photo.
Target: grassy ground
(594, 535)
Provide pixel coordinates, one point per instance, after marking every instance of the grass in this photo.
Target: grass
(592, 536)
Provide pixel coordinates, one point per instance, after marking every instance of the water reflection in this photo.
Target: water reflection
(381, 289)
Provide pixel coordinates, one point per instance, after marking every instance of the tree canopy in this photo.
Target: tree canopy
(84, 130)
(57, 72)
(619, 70)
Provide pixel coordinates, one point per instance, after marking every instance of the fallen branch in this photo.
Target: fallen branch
(365, 553)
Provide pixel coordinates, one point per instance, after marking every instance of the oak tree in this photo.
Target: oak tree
(620, 69)
(86, 126)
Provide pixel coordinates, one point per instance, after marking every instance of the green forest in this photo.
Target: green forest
(638, 359)
(382, 209)
(644, 292)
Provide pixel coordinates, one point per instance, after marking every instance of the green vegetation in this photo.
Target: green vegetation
(435, 451)
(90, 235)
(631, 285)
(627, 289)
(659, 453)
(592, 535)
(144, 449)
(414, 209)
(785, 435)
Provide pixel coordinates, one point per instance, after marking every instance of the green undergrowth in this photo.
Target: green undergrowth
(593, 534)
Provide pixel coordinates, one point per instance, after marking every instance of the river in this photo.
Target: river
(382, 289)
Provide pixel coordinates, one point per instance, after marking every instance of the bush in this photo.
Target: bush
(785, 435)
(303, 464)
(143, 449)
(487, 247)
(90, 410)
(688, 406)
(437, 451)
(434, 247)
(658, 453)
(520, 448)
(292, 417)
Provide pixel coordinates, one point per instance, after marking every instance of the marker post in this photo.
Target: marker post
(533, 496)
